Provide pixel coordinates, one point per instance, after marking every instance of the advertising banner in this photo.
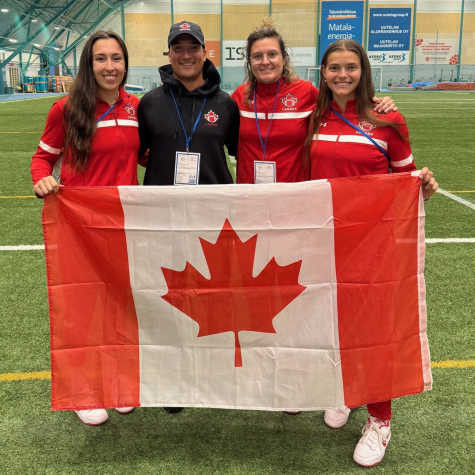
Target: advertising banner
(303, 56)
(234, 53)
(389, 35)
(440, 51)
(341, 21)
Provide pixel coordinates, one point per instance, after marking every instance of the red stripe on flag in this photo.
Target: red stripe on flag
(94, 330)
(376, 256)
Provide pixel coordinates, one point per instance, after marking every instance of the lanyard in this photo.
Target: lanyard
(362, 132)
(264, 144)
(105, 113)
(188, 139)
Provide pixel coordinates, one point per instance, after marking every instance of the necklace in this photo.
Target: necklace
(116, 99)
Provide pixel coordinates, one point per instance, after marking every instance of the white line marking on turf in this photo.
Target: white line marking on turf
(428, 241)
(457, 198)
(448, 240)
(22, 248)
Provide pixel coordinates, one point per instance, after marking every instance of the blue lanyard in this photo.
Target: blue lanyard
(264, 144)
(105, 113)
(188, 139)
(381, 149)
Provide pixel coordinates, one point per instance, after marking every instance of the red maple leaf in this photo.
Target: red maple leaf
(232, 299)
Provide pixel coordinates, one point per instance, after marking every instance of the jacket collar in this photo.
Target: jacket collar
(270, 88)
(350, 106)
(123, 96)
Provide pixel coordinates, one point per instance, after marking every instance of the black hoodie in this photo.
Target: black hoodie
(161, 132)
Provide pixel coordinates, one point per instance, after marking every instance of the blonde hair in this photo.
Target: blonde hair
(266, 29)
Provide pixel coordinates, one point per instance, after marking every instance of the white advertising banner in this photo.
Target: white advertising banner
(234, 54)
(442, 51)
(303, 56)
(378, 58)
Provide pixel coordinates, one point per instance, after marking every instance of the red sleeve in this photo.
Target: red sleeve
(399, 150)
(51, 145)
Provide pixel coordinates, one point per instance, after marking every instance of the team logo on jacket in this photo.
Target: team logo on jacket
(185, 26)
(289, 100)
(366, 126)
(130, 109)
(211, 117)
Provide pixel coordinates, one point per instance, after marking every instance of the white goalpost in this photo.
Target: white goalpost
(312, 75)
(377, 75)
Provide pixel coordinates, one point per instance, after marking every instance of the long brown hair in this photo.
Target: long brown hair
(80, 108)
(364, 95)
(266, 29)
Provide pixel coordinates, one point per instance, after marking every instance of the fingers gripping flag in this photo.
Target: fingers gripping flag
(275, 297)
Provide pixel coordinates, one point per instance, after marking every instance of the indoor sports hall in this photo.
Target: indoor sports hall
(422, 55)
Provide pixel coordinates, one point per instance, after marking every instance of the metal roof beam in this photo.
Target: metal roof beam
(39, 31)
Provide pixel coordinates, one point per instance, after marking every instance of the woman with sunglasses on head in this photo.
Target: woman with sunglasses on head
(275, 108)
(91, 137)
(347, 138)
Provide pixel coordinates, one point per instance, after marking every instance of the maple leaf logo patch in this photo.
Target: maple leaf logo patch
(130, 109)
(211, 117)
(232, 299)
(289, 100)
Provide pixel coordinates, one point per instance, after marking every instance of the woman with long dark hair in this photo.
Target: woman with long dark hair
(91, 137)
(347, 138)
(275, 107)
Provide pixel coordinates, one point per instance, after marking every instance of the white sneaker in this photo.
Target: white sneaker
(336, 418)
(124, 410)
(371, 448)
(93, 417)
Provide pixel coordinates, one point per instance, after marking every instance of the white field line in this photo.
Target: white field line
(428, 241)
(22, 248)
(449, 240)
(27, 99)
(457, 198)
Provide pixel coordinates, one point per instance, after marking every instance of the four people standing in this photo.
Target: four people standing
(287, 132)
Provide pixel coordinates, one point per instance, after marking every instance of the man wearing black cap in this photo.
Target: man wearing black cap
(186, 123)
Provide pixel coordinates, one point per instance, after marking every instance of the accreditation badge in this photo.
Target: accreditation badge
(187, 168)
(264, 172)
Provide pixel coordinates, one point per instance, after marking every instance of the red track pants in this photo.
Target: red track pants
(381, 410)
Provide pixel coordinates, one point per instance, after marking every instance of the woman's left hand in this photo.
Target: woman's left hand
(429, 185)
(386, 104)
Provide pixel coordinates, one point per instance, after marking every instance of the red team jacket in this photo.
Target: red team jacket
(115, 146)
(295, 104)
(341, 151)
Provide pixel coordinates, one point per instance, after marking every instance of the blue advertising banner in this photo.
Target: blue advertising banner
(341, 21)
(389, 35)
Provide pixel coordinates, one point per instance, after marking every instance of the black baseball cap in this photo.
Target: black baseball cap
(186, 27)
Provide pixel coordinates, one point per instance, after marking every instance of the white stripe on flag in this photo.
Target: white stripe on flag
(165, 221)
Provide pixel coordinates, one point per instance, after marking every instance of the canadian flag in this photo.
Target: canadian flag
(273, 297)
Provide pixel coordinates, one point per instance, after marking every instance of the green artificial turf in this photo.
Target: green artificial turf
(432, 433)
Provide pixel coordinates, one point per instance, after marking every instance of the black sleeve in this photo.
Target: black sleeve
(232, 138)
(144, 132)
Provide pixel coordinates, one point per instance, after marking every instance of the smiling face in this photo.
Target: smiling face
(343, 74)
(187, 57)
(266, 71)
(108, 64)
